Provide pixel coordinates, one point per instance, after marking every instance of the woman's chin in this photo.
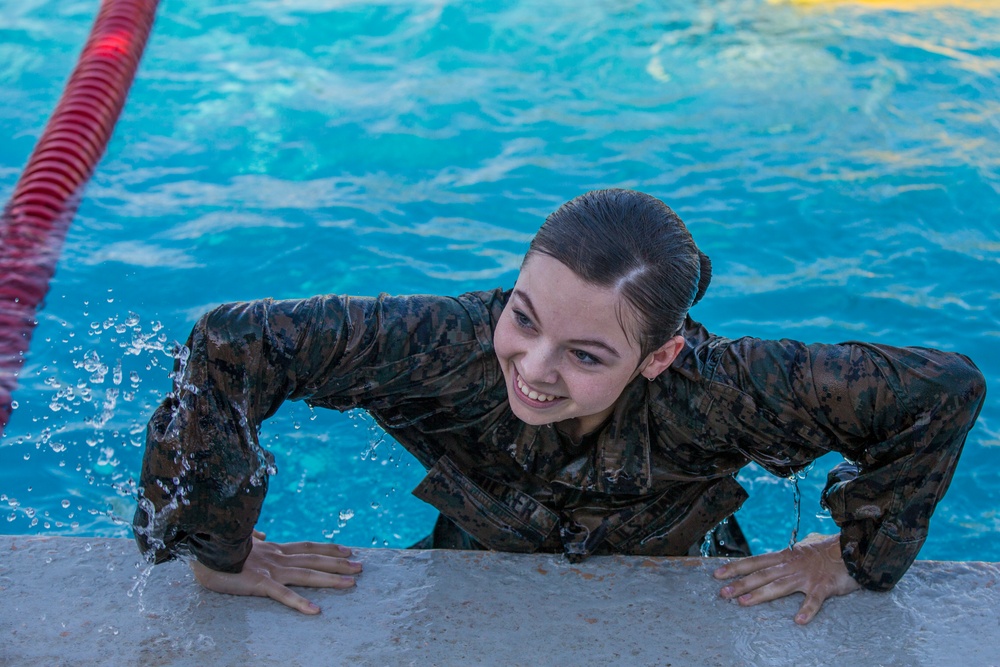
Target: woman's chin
(535, 415)
(529, 416)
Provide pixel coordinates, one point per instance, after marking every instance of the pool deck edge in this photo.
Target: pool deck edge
(71, 601)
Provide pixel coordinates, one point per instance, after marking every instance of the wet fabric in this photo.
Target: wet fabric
(725, 540)
(653, 480)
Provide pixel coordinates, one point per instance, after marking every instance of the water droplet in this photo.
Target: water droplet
(797, 504)
(13, 405)
(65, 504)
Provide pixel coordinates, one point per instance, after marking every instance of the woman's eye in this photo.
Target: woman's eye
(521, 320)
(586, 358)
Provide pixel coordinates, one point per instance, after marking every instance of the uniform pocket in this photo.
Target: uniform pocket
(677, 518)
(498, 516)
(889, 556)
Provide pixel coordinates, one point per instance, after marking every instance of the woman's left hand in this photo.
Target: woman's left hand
(814, 566)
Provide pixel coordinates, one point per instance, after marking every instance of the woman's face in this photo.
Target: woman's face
(562, 348)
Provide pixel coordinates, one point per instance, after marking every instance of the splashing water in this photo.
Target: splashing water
(797, 510)
(90, 428)
(141, 579)
(794, 478)
(376, 436)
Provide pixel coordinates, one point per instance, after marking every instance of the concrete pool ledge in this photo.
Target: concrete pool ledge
(75, 601)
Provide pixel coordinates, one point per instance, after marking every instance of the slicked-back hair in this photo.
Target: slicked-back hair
(634, 244)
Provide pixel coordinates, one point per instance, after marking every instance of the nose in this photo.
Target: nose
(538, 366)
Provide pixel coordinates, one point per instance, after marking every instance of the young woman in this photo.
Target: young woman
(582, 412)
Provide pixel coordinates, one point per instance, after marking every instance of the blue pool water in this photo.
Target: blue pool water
(839, 164)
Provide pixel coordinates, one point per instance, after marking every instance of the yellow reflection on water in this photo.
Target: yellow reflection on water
(985, 6)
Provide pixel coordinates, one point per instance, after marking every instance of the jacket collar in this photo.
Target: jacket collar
(618, 462)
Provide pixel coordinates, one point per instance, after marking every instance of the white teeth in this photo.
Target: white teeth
(532, 394)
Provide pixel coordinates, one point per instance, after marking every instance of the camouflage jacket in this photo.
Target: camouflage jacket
(652, 480)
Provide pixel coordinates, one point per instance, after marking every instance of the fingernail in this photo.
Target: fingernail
(727, 591)
(720, 572)
(313, 607)
(801, 619)
(745, 597)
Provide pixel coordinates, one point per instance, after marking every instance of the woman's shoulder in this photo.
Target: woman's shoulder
(412, 313)
(490, 303)
(438, 321)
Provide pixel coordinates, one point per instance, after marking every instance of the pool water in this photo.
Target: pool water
(839, 163)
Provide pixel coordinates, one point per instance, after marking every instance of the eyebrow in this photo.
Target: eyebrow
(587, 342)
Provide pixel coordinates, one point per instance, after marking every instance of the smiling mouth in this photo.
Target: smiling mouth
(535, 396)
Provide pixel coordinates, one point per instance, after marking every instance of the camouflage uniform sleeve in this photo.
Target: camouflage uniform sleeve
(204, 474)
(899, 416)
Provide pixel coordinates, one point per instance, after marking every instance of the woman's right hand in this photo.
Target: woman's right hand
(272, 567)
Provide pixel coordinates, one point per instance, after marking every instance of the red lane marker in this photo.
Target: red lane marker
(35, 220)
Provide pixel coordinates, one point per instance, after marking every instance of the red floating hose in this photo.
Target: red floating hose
(36, 219)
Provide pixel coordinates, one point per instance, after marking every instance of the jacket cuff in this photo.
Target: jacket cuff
(159, 544)
(221, 555)
(873, 548)
(882, 563)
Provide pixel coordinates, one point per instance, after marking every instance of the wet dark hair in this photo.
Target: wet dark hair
(635, 244)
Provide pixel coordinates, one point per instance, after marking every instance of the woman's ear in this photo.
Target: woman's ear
(661, 358)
